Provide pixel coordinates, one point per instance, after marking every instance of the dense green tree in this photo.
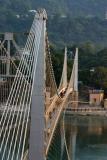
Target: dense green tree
(92, 65)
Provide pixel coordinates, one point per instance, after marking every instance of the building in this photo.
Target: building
(96, 97)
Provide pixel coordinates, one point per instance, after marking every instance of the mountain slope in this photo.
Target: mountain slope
(74, 7)
(70, 21)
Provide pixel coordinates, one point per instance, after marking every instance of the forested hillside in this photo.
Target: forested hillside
(63, 31)
(78, 30)
(92, 65)
(72, 23)
(74, 7)
(69, 21)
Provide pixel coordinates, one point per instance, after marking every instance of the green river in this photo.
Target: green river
(85, 139)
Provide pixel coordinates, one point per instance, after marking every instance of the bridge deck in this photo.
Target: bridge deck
(87, 111)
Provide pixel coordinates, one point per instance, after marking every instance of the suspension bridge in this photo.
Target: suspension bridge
(32, 108)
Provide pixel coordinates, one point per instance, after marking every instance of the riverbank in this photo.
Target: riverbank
(94, 111)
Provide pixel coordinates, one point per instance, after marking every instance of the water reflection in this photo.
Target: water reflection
(86, 139)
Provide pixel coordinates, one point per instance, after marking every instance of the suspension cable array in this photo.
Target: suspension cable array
(14, 127)
(50, 66)
(7, 73)
(17, 122)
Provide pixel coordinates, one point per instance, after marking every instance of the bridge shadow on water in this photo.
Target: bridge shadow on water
(81, 138)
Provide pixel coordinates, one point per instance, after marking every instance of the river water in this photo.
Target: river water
(76, 138)
(80, 138)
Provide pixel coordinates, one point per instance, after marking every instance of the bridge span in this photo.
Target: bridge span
(35, 103)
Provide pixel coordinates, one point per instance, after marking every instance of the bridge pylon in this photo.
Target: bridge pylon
(37, 125)
(73, 84)
(63, 82)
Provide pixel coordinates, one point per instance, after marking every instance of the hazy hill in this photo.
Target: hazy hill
(70, 21)
(74, 7)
